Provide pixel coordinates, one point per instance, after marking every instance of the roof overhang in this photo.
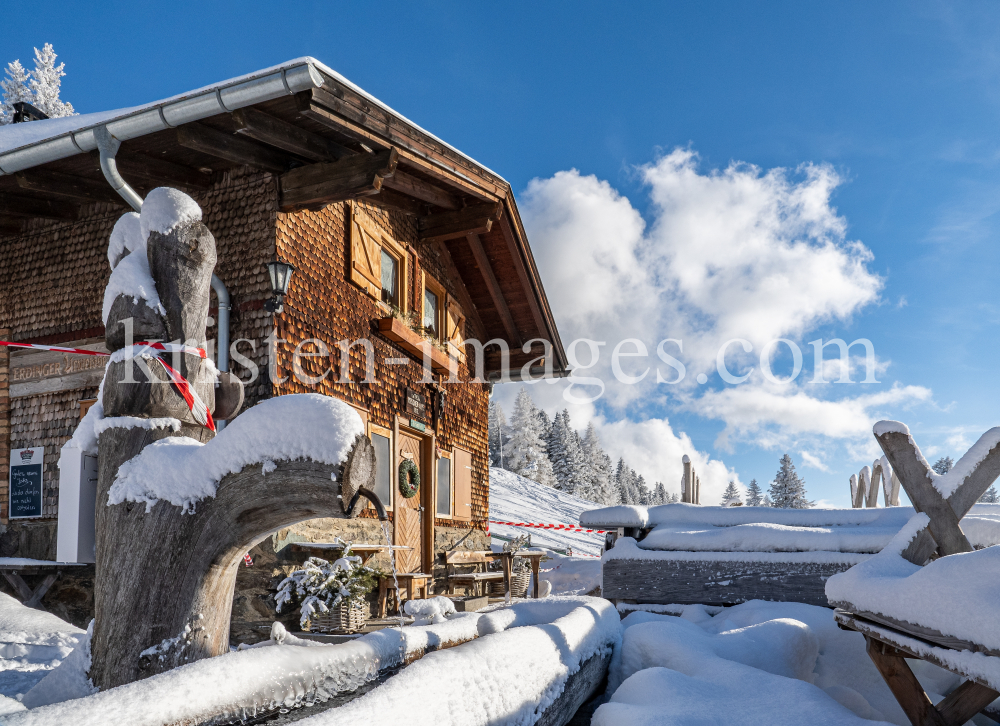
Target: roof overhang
(326, 140)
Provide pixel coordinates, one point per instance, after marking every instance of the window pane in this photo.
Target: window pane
(383, 469)
(390, 274)
(431, 311)
(444, 488)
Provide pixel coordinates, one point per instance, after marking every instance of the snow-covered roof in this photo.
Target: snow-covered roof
(25, 145)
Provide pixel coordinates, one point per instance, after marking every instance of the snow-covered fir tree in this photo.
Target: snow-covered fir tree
(39, 87)
(628, 485)
(766, 502)
(659, 495)
(15, 90)
(753, 494)
(788, 491)
(674, 498)
(990, 496)
(731, 496)
(600, 485)
(527, 448)
(46, 80)
(643, 491)
(567, 457)
(499, 435)
(943, 465)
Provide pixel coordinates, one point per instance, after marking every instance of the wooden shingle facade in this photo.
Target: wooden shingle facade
(356, 198)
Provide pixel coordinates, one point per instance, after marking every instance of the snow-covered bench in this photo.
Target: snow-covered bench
(685, 553)
(931, 593)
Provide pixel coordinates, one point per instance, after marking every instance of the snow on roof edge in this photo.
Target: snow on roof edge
(100, 118)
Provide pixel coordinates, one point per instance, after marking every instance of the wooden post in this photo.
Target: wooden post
(904, 685)
(688, 483)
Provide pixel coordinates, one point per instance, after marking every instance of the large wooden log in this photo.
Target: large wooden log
(165, 579)
(717, 582)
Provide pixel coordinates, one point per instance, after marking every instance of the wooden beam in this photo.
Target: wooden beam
(408, 184)
(486, 270)
(904, 686)
(17, 206)
(522, 274)
(66, 185)
(270, 130)
(391, 199)
(965, 702)
(477, 219)
(10, 227)
(355, 176)
(468, 306)
(358, 133)
(160, 172)
(236, 149)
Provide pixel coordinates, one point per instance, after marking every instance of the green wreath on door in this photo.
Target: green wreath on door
(409, 478)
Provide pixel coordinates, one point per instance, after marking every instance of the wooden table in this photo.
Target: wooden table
(507, 563)
(891, 643)
(12, 568)
(333, 550)
(409, 582)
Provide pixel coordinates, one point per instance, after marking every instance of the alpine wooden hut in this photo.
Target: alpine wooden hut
(384, 225)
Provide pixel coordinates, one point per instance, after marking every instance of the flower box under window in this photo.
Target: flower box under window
(413, 343)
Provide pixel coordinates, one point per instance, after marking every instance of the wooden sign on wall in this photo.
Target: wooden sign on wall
(415, 404)
(26, 482)
(33, 372)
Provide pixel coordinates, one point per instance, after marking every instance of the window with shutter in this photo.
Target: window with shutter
(463, 484)
(455, 329)
(377, 261)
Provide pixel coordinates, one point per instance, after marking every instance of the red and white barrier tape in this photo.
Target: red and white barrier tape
(198, 408)
(561, 527)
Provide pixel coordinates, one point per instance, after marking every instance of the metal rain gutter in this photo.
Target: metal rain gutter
(166, 115)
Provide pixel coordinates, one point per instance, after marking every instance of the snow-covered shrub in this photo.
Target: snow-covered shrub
(320, 585)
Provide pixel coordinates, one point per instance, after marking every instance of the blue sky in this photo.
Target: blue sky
(898, 101)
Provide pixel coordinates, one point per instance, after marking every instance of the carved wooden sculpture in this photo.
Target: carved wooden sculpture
(865, 486)
(165, 578)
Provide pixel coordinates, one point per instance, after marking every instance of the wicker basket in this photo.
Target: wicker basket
(342, 618)
(519, 582)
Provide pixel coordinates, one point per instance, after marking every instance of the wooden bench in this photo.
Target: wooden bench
(12, 568)
(472, 580)
(891, 640)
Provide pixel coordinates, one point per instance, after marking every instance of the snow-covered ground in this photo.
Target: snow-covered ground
(516, 499)
(759, 662)
(32, 643)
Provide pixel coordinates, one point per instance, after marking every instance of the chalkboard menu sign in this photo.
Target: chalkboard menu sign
(415, 403)
(26, 482)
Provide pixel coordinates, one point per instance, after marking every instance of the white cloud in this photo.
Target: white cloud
(732, 253)
(772, 415)
(813, 461)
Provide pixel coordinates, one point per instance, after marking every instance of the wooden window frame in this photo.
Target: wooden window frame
(388, 433)
(441, 323)
(357, 215)
(442, 454)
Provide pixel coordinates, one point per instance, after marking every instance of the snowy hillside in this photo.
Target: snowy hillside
(516, 499)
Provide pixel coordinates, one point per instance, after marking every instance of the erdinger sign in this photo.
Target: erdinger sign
(26, 482)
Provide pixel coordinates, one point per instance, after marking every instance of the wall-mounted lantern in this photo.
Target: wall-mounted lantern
(280, 273)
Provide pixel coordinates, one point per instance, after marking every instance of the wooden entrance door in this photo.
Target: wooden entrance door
(407, 514)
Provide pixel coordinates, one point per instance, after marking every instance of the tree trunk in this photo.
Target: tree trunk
(165, 579)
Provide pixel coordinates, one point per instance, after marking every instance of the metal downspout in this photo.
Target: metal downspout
(108, 146)
(222, 321)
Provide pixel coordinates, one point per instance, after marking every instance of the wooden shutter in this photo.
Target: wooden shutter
(455, 329)
(366, 256)
(463, 484)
